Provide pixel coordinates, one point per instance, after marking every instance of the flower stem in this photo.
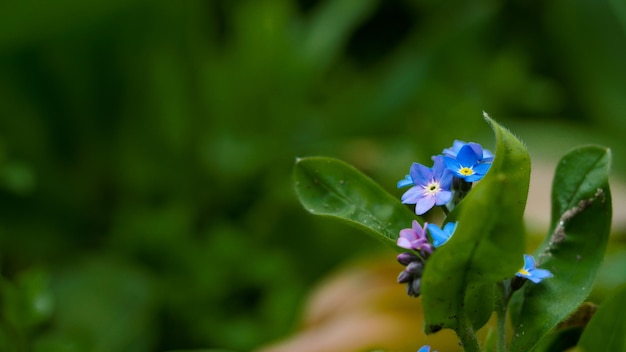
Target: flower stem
(503, 294)
(467, 335)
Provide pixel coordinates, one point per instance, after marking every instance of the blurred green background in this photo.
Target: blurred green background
(146, 147)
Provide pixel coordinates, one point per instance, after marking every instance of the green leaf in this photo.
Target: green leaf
(460, 276)
(606, 330)
(330, 187)
(560, 340)
(580, 226)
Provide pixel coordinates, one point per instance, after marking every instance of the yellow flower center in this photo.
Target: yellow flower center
(524, 272)
(432, 188)
(466, 171)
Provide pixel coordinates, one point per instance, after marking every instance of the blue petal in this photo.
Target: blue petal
(439, 236)
(466, 156)
(541, 274)
(472, 178)
(445, 182)
(439, 166)
(482, 168)
(412, 195)
(535, 280)
(477, 148)
(423, 205)
(443, 197)
(452, 164)
(406, 181)
(450, 227)
(424, 348)
(487, 156)
(454, 150)
(529, 262)
(420, 174)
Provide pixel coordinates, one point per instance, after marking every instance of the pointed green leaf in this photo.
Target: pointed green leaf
(460, 276)
(606, 330)
(581, 220)
(330, 187)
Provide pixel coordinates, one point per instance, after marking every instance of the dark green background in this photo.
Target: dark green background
(146, 147)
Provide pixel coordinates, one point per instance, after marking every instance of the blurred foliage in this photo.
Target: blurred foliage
(146, 146)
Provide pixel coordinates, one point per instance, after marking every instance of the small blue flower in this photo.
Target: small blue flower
(467, 164)
(441, 236)
(485, 156)
(530, 270)
(425, 348)
(415, 238)
(430, 186)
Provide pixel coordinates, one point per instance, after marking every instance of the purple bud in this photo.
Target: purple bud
(415, 268)
(406, 258)
(414, 288)
(404, 277)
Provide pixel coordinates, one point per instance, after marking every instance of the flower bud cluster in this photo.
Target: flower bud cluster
(445, 184)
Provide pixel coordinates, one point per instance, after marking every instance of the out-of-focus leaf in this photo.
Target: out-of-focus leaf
(37, 302)
(581, 220)
(331, 26)
(27, 21)
(607, 329)
(487, 246)
(330, 187)
(101, 305)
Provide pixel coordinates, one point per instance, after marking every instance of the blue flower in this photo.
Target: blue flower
(430, 186)
(425, 348)
(441, 236)
(467, 165)
(485, 156)
(415, 238)
(530, 270)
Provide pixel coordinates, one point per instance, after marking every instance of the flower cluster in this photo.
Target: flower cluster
(415, 239)
(444, 184)
(452, 172)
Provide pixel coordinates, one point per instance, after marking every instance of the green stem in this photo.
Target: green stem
(503, 293)
(467, 335)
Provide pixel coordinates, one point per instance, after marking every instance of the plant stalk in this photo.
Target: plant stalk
(467, 335)
(503, 294)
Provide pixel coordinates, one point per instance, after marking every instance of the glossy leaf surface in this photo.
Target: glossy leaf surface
(330, 187)
(580, 226)
(607, 329)
(460, 276)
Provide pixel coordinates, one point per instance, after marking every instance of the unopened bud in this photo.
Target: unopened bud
(406, 258)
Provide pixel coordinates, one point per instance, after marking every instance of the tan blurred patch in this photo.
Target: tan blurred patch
(362, 308)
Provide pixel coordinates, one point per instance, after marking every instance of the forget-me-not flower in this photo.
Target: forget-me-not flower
(425, 348)
(531, 272)
(485, 156)
(415, 238)
(430, 186)
(441, 236)
(467, 165)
